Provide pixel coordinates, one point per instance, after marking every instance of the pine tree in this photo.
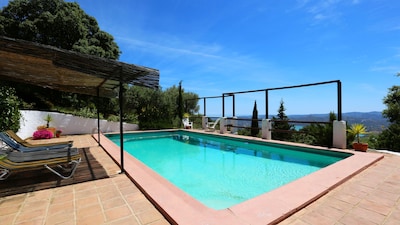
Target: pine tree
(281, 125)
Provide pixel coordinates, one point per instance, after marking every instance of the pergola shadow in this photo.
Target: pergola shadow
(40, 179)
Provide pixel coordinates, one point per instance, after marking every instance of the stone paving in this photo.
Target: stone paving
(371, 197)
(114, 200)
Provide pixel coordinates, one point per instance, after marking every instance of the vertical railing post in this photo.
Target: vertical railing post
(204, 102)
(339, 87)
(223, 105)
(266, 104)
(233, 106)
(98, 115)
(121, 127)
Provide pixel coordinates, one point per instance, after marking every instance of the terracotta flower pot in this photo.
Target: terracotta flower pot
(52, 130)
(360, 146)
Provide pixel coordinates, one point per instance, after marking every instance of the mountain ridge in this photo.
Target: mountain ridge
(374, 121)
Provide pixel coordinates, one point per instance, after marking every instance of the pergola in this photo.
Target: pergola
(46, 66)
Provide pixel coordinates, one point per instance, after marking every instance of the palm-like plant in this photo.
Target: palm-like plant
(357, 129)
(48, 119)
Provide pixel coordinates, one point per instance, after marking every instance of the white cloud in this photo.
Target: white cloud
(324, 10)
(211, 57)
(175, 48)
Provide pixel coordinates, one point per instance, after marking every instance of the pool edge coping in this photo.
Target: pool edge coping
(271, 207)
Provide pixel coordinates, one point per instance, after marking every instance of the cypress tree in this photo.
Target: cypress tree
(254, 121)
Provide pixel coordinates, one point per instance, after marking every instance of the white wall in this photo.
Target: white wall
(69, 124)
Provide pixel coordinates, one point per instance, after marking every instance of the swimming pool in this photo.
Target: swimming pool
(269, 208)
(219, 171)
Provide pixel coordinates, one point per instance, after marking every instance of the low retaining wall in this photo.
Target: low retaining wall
(69, 124)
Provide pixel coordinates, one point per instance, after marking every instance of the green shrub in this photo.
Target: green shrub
(9, 113)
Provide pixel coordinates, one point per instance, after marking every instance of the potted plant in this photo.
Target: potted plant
(58, 133)
(358, 129)
(48, 119)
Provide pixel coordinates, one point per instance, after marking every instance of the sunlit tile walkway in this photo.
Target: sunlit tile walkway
(371, 197)
(114, 200)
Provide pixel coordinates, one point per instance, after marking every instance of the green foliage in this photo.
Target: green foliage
(57, 23)
(9, 113)
(64, 25)
(371, 139)
(87, 112)
(244, 132)
(146, 107)
(281, 125)
(190, 102)
(304, 138)
(318, 134)
(254, 121)
(155, 109)
(197, 121)
(390, 137)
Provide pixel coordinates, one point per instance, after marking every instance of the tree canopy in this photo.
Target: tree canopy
(57, 23)
(390, 137)
(159, 109)
(65, 25)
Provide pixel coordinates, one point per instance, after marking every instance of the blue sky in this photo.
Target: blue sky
(217, 47)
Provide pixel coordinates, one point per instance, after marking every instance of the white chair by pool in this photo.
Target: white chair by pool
(187, 124)
(211, 125)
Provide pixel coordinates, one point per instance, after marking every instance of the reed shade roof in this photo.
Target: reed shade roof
(50, 67)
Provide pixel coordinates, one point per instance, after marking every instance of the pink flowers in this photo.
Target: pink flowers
(43, 134)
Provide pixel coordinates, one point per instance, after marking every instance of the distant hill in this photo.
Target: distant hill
(374, 121)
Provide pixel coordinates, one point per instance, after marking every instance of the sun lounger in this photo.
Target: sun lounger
(211, 125)
(23, 142)
(14, 160)
(14, 141)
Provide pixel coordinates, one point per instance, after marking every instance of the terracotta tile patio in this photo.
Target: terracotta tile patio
(371, 197)
(114, 200)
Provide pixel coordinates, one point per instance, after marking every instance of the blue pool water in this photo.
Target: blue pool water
(221, 172)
